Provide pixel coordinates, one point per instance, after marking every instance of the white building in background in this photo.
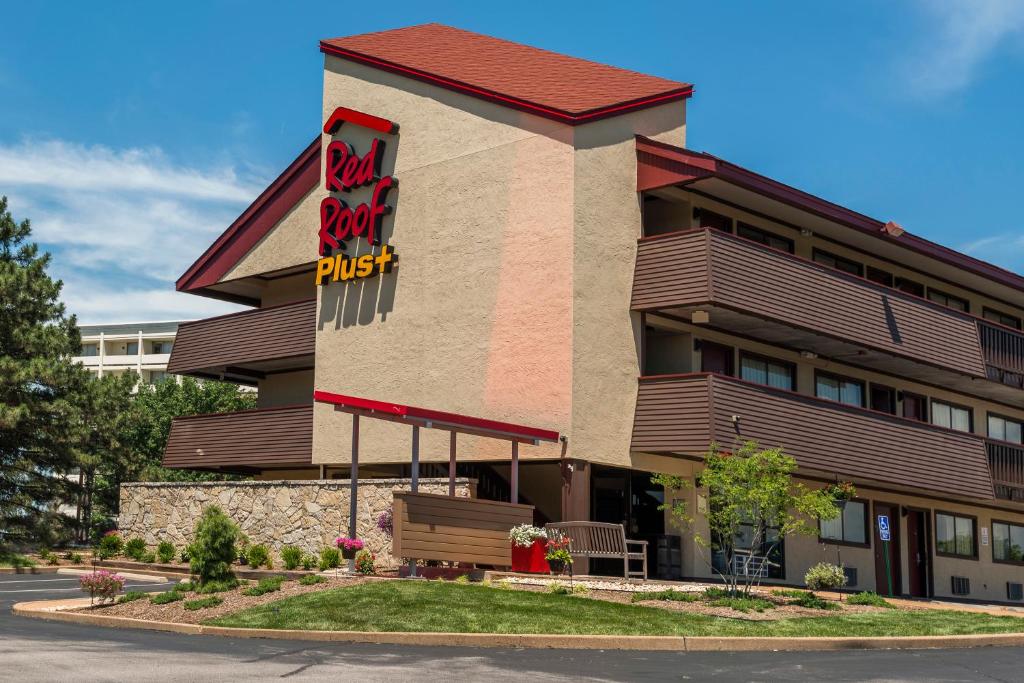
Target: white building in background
(116, 348)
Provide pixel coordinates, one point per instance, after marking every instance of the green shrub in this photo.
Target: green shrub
(741, 604)
(185, 587)
(311, 580)
(462, 578)
(267, 585)
(788, 593)
(580, 589)
(186, 554)
(291, 557)
(673, 595)
(558, 589)
(203, 603)
(329, 558)
(870, 599)
(134, 548)
(218, 586)
(258, 556)
(149, 557)
(364, 562)
(49, 558)
(74, 558)
(825, 577)
(812, 601)
(308, 561)
(110, 546)
(164, 598)
(213, 550)
(132, 595)
(165, 551)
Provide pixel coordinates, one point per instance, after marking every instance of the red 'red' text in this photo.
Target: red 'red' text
(343, 171)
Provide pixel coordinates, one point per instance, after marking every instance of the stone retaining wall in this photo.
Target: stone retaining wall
(307, 514)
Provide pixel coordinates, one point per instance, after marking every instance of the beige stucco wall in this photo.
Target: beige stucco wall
(286, 389)
(516, 238)
(286, 244)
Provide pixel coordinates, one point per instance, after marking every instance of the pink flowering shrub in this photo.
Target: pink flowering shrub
(386, 523)
(102, 584)
(346, 543)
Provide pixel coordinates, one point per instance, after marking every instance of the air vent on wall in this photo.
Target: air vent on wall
(1014, 591)
(851, 576)
(961, 585)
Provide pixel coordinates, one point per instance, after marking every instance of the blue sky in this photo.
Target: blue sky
(133, 133)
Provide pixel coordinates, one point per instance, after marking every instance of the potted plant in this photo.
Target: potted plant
(528, 549)
(557, 555)
(841, 493)
(348, 546)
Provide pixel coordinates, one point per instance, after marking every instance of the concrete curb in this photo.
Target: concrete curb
(41, 570)
(74, 571)
(56, 610)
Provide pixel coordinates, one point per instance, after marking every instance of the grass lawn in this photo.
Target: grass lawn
(449, 607)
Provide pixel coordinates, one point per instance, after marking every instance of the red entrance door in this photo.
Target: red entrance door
(887, 553)
(917, 553)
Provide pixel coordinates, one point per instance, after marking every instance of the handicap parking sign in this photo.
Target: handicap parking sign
(883, 528)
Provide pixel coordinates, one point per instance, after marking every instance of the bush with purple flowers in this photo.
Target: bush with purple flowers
(386, 523)
(102, 584)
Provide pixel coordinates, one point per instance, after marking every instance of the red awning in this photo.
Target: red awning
(436, 419)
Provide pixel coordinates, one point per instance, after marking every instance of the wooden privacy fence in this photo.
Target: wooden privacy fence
(433, 527)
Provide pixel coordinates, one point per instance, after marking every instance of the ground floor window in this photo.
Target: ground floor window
(1007, 542)
(851, 526)
(955, 535)
(769, 555)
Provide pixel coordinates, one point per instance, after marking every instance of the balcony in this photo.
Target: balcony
(1006, 462)
(156, 358)
(244, 347)
(242, 442)
(753, 290)
(683, 414)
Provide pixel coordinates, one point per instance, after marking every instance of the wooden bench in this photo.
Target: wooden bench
(600, 539)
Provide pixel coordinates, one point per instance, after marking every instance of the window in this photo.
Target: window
(909, 286)
(90, 350)
(954, 535)
(1001, 318)
(915, 406)
(1007, 542)
(951, 416)
(132, 348)
(768, 556)
(764, 237)
(880, 276)
(772, 373)
(158, 376)
(851, 526)
(1004, 429)
(949, 300)
(162, 346)
(883, 399)
(710, 219)
(841, 389)
(838, 262)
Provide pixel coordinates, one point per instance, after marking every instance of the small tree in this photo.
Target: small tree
(749, 489)
(213, 550)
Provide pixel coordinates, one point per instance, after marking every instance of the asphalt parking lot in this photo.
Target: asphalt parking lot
(35, 650)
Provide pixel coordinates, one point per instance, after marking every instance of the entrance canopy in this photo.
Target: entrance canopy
(436, 419)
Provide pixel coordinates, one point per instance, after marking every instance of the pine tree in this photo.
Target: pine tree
(40, 390)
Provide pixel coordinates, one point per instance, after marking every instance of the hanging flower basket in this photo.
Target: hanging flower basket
(349, 546)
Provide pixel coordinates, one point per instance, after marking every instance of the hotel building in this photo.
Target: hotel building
(143, 348)
(556, 256)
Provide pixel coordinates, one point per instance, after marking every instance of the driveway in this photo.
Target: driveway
(34, 650)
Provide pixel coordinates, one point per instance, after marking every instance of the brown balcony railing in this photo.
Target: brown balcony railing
(685, 413)
(1006, 462)
(242, 441)
(243, 345)
(1004, 353)
(802, 303)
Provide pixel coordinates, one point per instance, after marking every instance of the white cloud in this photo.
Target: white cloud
(1005, 250)
(961, 35)
(122, 225)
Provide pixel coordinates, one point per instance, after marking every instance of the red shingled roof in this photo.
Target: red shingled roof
(563, 88)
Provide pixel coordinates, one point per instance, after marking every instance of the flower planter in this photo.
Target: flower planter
(349, 554)
(557, 566)
(529, 560)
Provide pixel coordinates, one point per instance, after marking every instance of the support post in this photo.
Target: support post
(353, 488)
(415, 484)
(515, 472)
(451, 466)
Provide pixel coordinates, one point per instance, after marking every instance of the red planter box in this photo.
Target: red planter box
(531, 559)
